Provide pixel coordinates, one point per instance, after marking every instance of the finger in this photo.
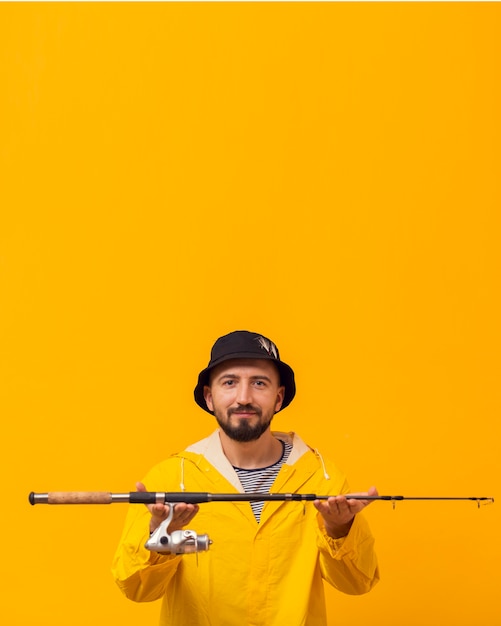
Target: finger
(348, 508)
(185, 511)
(327, 508)
(371, 492)
(338, 505)
(158, 511)
(183, 514)
(195, 511)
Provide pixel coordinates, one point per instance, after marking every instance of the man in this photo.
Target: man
(267, 560)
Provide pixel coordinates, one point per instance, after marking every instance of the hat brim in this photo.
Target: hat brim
(285, 371)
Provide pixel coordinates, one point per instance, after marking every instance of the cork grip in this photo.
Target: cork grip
(71, 497)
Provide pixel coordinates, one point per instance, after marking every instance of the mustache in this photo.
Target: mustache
(245, 407)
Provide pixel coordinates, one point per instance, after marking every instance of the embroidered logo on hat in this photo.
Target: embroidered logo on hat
(268, 346)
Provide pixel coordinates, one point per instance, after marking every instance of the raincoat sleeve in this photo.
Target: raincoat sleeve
(349, 564)
(142, 575)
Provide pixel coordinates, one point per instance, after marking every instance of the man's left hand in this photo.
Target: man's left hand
(339, 512)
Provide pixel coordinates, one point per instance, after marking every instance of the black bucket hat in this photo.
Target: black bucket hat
(242, 344)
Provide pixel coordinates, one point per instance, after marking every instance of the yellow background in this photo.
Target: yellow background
(326, 174)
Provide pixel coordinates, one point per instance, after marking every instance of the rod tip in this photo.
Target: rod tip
(31, 498)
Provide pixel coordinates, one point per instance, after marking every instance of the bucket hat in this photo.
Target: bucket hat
(243, 344)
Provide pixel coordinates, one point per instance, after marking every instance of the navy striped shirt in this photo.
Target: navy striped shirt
(261, 480)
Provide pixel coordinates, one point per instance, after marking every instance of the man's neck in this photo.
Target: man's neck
(263, 452)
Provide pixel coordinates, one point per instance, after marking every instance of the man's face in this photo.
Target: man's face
(244, 395)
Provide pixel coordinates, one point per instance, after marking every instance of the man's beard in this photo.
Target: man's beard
(243, 431)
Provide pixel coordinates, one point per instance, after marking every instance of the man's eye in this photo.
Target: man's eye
(228, 383)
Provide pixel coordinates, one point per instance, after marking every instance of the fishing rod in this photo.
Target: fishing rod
(195, 497)
(189, 541)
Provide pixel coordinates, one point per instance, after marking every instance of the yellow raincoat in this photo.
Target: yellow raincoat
(266, 574)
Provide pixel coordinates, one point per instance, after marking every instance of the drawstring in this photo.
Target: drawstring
(181, 484)
(326, 476)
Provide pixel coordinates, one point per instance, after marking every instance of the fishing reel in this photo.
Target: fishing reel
(179, 541)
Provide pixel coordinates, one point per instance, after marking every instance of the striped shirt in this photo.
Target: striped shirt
(261, 480)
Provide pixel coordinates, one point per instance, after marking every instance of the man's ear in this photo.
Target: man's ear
(280, 399)
(208, 397)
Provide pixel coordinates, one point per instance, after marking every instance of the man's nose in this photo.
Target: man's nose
(243, 393)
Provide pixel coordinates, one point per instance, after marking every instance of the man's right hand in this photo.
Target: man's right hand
(183, 513)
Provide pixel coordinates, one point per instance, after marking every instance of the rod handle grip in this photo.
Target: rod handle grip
(71, 497)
